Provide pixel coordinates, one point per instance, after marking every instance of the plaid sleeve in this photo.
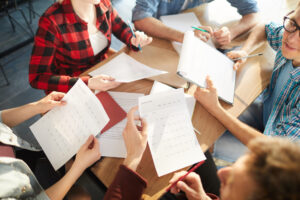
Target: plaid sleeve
(274, 34)
(288, 126)
(41, 67)
(121, 30)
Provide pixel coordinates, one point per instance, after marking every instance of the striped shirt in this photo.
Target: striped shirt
(284, 119)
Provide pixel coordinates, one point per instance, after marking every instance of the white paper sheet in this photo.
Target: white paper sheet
(126, 69)
(160, 87)
(63, 130)
(111, 142)
(197, 60)
(171, 138)
(182, 22)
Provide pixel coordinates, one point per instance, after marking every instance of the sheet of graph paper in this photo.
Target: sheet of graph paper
(111, 142)
(171, 138)
(63, 130)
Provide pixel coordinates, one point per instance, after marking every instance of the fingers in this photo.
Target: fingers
(131, 117)
(57, 96)
(203, 35)
(88, 142)
(145, 127)
(176, 176)
(210, 84)
(237, 54)
(222, 36)
(141, 39)
(184, 187)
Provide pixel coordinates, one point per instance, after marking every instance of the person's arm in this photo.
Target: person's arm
(127, 184)
(208, 98)
(41, 69)
(14, 116)
(156, 28)
(86, 156)
(255, 39)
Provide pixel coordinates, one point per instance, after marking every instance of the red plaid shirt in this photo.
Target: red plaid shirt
(62, 49)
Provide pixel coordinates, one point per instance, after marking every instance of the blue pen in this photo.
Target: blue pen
(140, 48)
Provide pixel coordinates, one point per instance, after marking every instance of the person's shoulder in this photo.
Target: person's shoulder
(54, 9)
(106, 3)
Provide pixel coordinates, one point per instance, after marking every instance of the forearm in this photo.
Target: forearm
(156, 28)
(255, 39)
(239, 129)
(14, 116)
(60, 189)
(245, 24)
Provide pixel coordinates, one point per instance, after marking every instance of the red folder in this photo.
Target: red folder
(112, 108)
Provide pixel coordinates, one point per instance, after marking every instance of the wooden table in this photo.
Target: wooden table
(251, 79)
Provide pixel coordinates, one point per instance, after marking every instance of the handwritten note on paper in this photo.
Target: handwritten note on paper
(126, 69)
(160, 87)
(111, 142)
(171, 138)
(63, 130)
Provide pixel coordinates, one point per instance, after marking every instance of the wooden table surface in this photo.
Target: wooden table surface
(251, 80)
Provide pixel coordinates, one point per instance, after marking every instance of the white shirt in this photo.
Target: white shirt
(98, 42)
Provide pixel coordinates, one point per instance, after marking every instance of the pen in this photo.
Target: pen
(200, 29)
(197, 131)
(182, 177)
(240, 58)
(133, 34)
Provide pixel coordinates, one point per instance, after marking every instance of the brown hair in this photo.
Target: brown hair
(274, 165)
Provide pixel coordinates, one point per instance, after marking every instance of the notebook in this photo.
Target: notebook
(199, 60)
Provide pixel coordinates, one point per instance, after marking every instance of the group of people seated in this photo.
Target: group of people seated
(74, 35)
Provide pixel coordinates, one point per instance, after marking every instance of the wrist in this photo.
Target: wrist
(36, 107)
(132, 162)
(78, 168)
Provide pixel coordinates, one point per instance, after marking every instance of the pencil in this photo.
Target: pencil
(182, 177)
(240, 58)
(140, 48)
(200, 29)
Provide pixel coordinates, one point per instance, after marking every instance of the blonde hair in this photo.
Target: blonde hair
(59, 1)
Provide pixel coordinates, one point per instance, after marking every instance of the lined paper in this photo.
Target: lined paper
(171, 138)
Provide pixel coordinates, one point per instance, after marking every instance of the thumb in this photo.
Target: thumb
(88, 142)
(184, 187)
(54, 103)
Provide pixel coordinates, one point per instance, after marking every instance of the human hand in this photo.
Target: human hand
(102, 83)
(222, 36)
(88, 153)
(208, 97)
(191, 185)
(237, 54)
(140, 39)
(204, 36)
(135, 140)
(50, 101)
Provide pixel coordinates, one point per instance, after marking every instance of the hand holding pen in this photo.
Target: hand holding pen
(221, 36)
(240, 57)
(139, 39)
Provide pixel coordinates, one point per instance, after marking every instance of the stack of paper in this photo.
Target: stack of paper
(63, 130)
(182, 22)
(171, 138)
(126, 69)
(198, 60)
(112, 142)
(160, 87)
